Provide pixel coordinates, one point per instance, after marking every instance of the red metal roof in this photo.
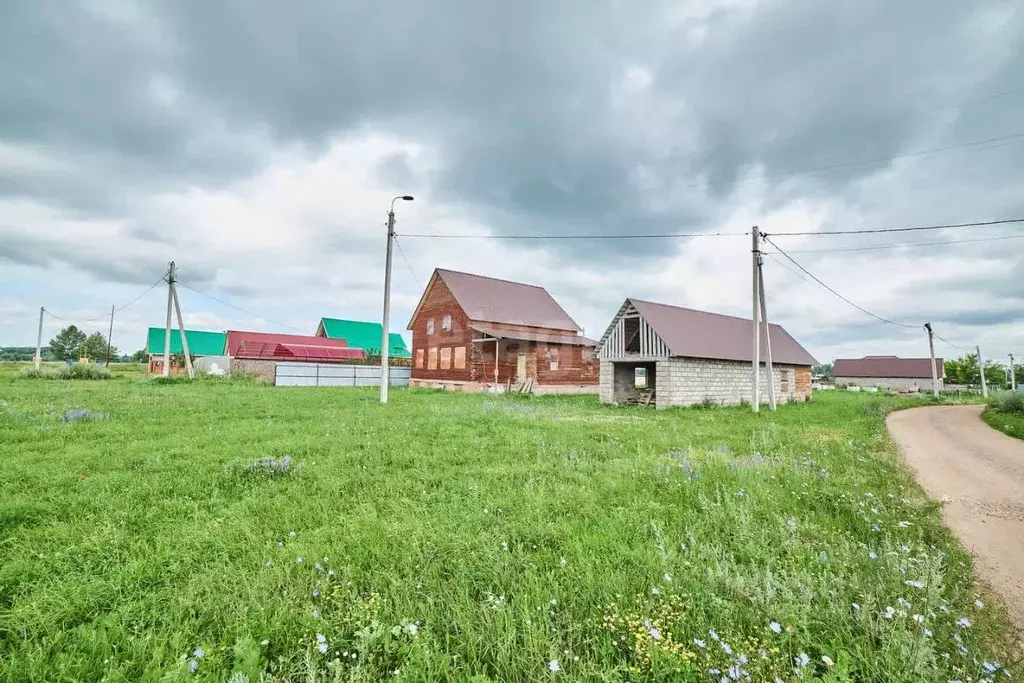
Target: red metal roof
(887, 366)
(309, 352)
(546, 337)
(243, 344)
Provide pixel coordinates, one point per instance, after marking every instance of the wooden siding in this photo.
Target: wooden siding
(651, 345)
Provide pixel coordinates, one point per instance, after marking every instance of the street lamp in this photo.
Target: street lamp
(385, 375)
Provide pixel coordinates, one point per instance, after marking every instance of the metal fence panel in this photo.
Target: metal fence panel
(336, 375)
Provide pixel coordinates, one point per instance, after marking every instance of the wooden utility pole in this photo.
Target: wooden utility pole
(767, 333)
(1013, 376)
(167, 329)
(755, 235)
(39, 339)
(981, 369)
(931, 350)
(110, 333)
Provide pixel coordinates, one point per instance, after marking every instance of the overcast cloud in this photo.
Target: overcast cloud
(258, 144)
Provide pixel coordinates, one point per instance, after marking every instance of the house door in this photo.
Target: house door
(521, 368)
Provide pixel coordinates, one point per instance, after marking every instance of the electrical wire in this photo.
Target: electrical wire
(859, 308)
(239, 308)
(577, 237)
(408, 265)
(105, 316)
(871, 231)
(955, 346)
(904, 244)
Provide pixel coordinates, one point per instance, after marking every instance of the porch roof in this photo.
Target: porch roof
(529, 335)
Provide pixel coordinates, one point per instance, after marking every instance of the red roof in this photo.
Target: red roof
(246, 344)
(887, 366)
(304, 352)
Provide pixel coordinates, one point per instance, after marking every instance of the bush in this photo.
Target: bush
(1007, 402)
(76, 371)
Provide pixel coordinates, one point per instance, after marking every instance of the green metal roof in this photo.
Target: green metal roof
(364, 335)
(200, 343)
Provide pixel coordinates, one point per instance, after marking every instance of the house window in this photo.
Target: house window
(460, 358)
(446, 358)
(419, 358)
(430, 326)
(446, 323)
(553, 359)
(432, 358)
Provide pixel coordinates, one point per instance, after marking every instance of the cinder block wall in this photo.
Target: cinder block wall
(891, 383)
(265, 370)
(686, 381)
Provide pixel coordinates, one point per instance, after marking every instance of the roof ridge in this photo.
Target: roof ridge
(698, 310)
(487, 277)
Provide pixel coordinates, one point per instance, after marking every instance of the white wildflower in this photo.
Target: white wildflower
(979, 604)
(775, 626)
(655, 591)
(963, 622)
(827, 660)
(553, 666)
(668, 577)
(916, 584)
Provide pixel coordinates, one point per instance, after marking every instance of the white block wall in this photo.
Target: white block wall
(890, 383)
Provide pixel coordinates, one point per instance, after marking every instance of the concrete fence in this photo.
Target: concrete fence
(334, 375)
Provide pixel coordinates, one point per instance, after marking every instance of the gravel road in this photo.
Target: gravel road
(979, 473)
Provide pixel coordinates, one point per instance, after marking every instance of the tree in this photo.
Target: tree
(67, 342)
(964, 370)
(140, 356)
(95, 347)
(823, 369)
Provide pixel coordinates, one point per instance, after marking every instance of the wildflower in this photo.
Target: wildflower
(553, 666)
(775, 626)
(321, 643)
(268, 563)
(903, 525)
(889, 612)
(827, 660)
(315, 613)
(856, 607)
(563, 562)
(193, 666)
(916, 584)
(330, 572)
(298, 560)
(944, 608)
(979, 604)
(918, 618)
(990, 667)
(504, 545)
(280, 544)
(291, 533)
(319, 567)
(682, 546)
(412, 628)
(198, 653)
(778, 680)
(713, 634)
(902, 603)
(655, 591)
(873, 555)
(668, 577)
(714, 672)
(655, 633)
(874, 527)
(699, 643)
(963, 622)
(926, 632)
(726, 648)
(264, 642)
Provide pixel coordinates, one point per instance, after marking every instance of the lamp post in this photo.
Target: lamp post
(385, 375)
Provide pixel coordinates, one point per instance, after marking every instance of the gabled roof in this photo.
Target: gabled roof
(200, 343)
(249, 344)
(699, 334)
(363, 335)
(490, 300)
(887, 366)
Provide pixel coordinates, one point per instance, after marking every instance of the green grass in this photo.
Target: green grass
(1005, 412)
(466, 538)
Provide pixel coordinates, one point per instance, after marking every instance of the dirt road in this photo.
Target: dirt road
(979, 473)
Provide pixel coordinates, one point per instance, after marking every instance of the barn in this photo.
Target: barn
(471, 332)
(258, 353)
(671, 356)
(201, 344)
(888, 372)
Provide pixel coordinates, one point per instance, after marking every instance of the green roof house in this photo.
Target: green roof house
(200, 343)
(362, 335)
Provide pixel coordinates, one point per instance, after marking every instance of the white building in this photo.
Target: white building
(888, 372)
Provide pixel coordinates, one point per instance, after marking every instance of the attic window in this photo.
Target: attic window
(446, 323)
(632, 334)
(430, 326)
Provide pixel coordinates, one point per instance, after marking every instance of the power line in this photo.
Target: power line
(909, 229)
(239, 308)
(578, 237)
(107, 315)
(905, 244)
(407, 264)
(955, 346)
(859, 308)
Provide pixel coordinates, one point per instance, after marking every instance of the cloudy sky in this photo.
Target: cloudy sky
(258, 144)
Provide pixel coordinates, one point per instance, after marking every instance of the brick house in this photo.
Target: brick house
(470, 332)
(687, 356)
(888, 372)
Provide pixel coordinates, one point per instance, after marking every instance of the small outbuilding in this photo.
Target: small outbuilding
(888, 372)
(666, 355)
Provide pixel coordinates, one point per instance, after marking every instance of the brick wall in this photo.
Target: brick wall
(264, 370)
(437, 303)
(686, 381)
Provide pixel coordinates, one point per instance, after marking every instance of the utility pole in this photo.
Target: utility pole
(110, 333)
(981, 369)
(767, 333)
(167, 329)
(755, 234)
(931, 350)
(39, 339)
(181, 324)
(1013, 376)
(385, 342)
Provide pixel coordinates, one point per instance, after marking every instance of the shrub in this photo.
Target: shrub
(76, 371)
(1007, 402)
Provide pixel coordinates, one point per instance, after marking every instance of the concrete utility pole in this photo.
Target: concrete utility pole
(110, 333)
(39, 339)
(181, 331)
(385, 342)
(1013, 376)
(931, 351)
(981, 369)
(755, 235)
(167, 329)
(767, 333)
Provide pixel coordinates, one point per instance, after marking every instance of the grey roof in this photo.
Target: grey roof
(699, 334)
(487, 299)
(887, 366)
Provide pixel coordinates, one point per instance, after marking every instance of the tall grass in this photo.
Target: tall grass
(85, 371)
(451, 537)
(1005, 412)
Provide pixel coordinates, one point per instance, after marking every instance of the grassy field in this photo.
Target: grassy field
(224, 529)
(1006, 413)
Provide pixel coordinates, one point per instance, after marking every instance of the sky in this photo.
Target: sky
(258, 144)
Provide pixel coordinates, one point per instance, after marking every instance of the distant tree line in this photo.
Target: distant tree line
(964, 370)
(22, 353)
